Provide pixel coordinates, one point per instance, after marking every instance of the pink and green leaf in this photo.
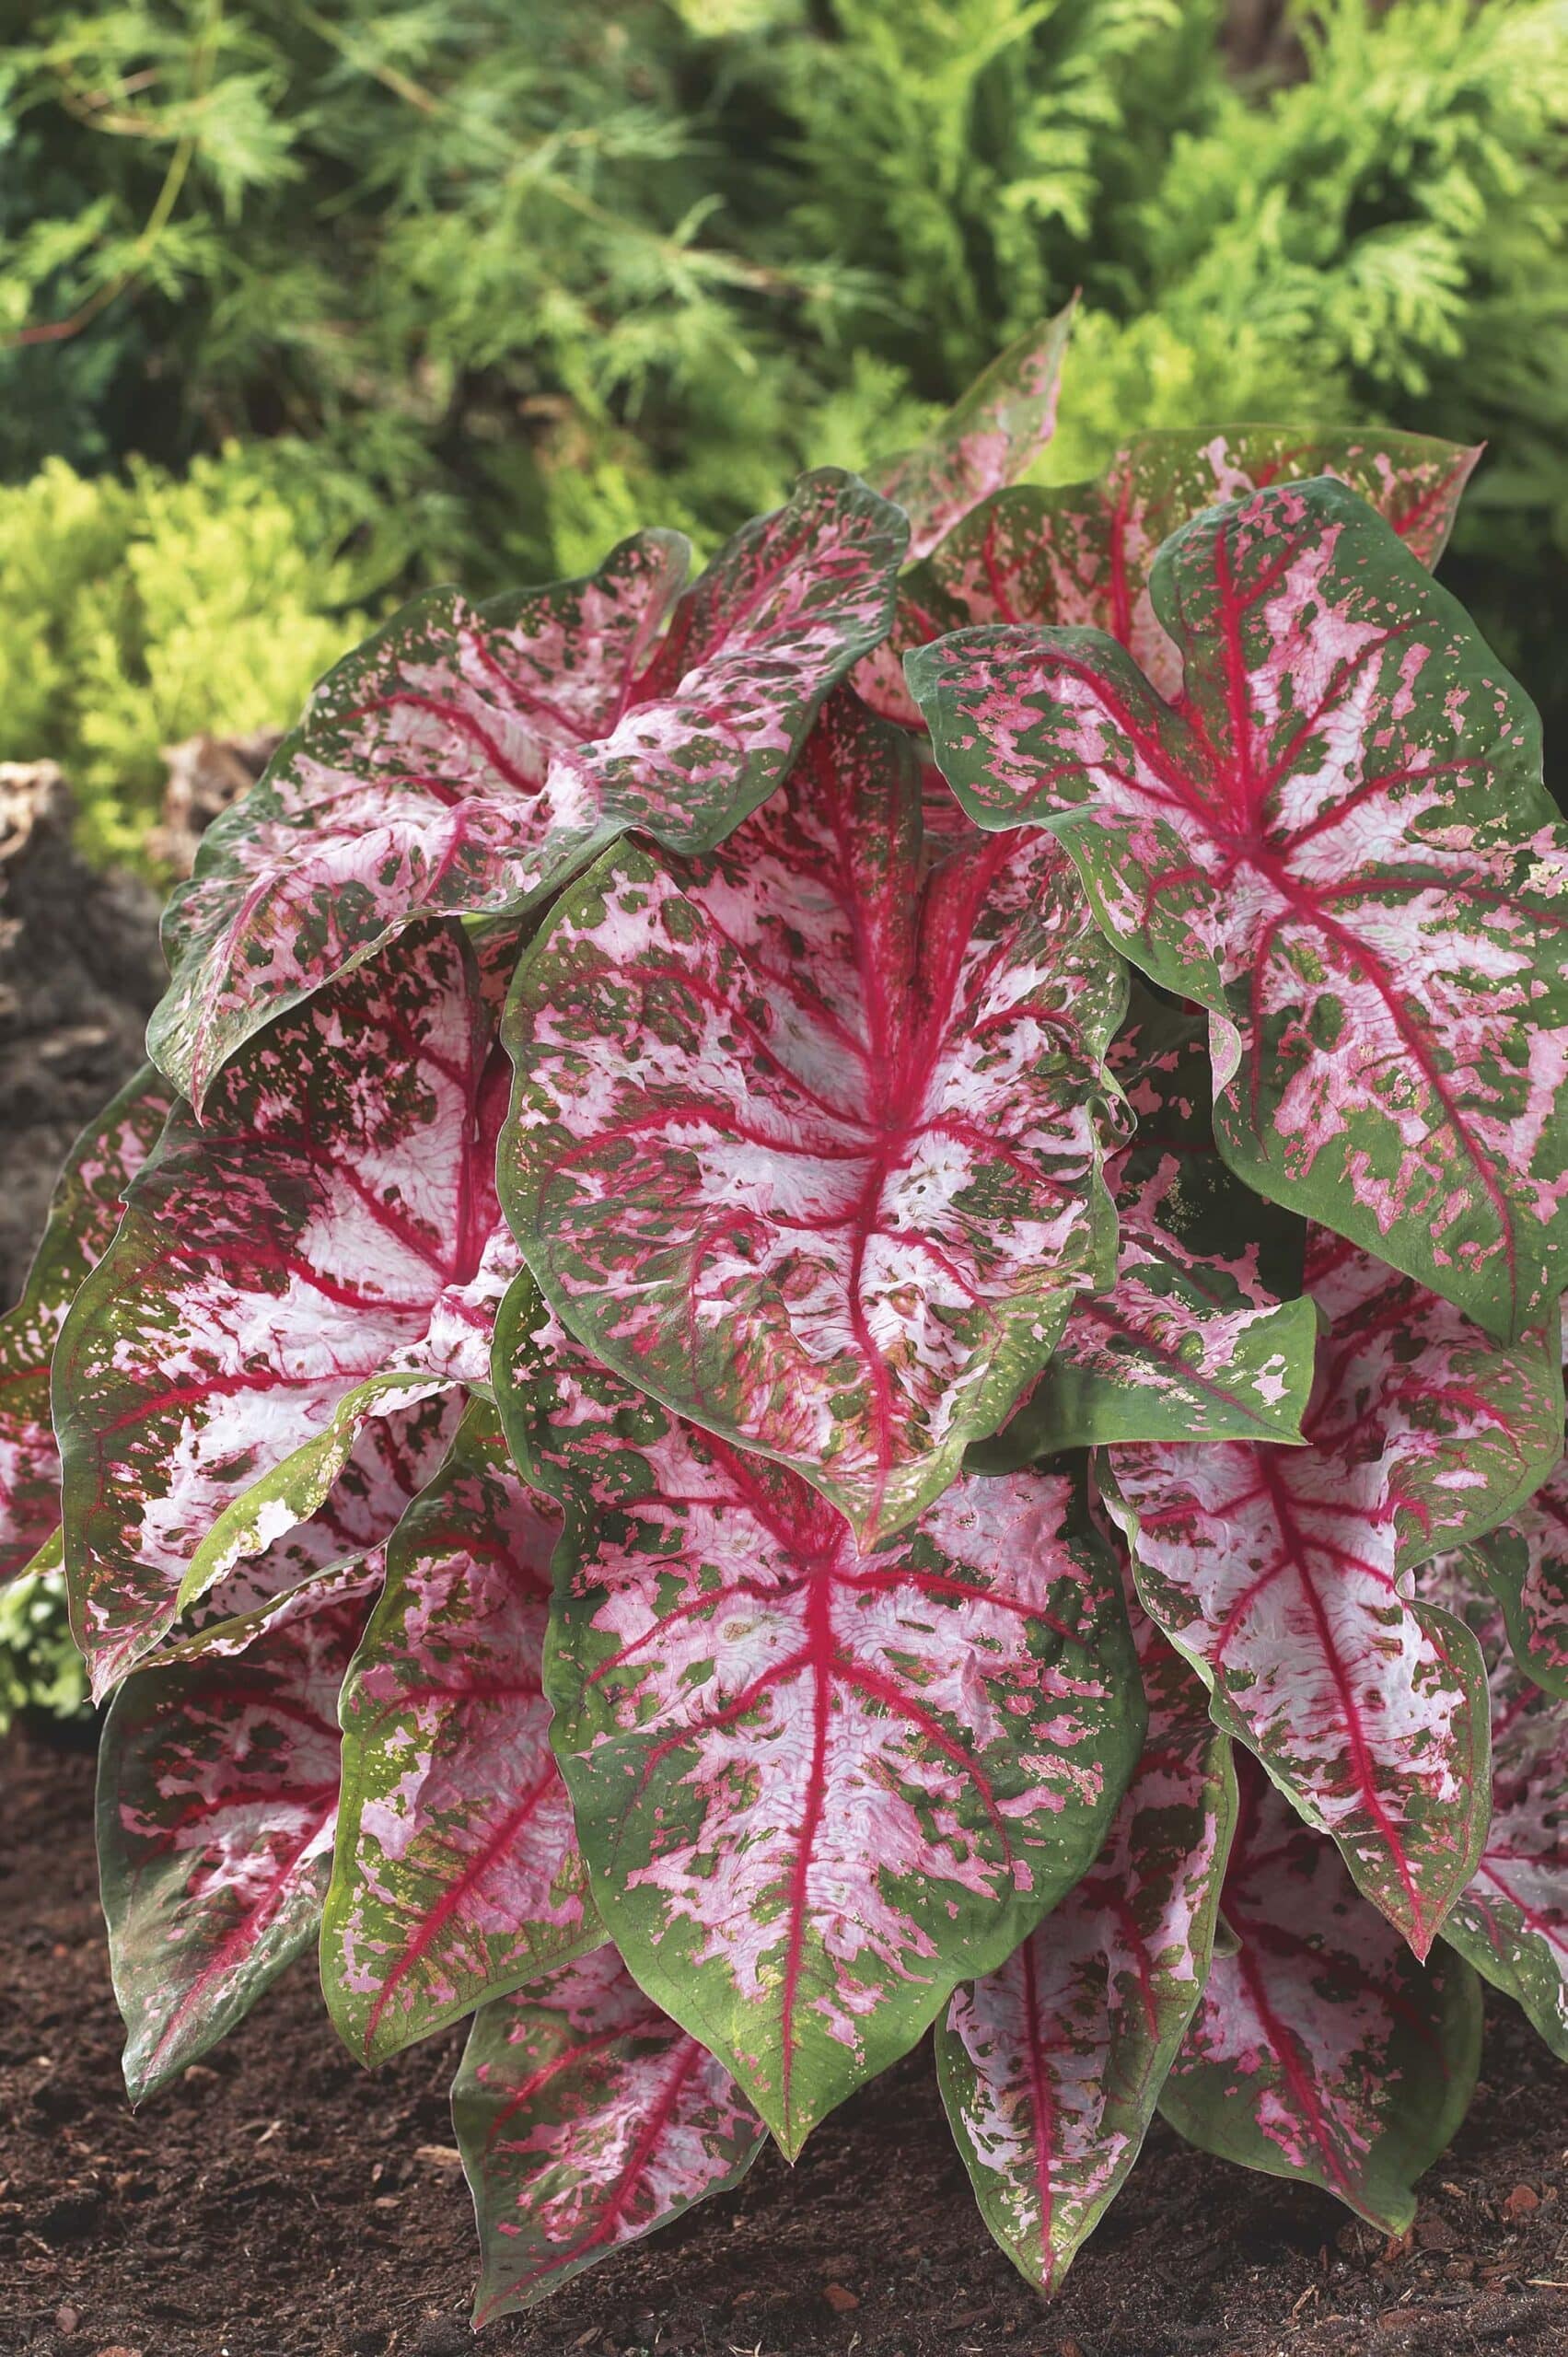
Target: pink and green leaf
(1525, 1561)
(816, 1787)
(586, 2119)
(217, 1796)
(1511, 1922)
(286, 1270)
(83, 1212)
(1051, 2065)
(1282, 1574)
(806, 1138)
(1190, 1344)
(1321, 2049)
(468, 760)
(457, 1875)
(1338, 841)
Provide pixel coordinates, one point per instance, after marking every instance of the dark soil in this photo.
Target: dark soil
(279, 2203)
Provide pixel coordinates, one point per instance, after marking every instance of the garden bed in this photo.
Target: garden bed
(279, 2203)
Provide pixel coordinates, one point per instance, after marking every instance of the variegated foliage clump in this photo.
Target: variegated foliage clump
(833, 1311)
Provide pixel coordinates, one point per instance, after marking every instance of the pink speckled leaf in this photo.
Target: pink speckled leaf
(1051, 2065)
(1078, 555)
(302, 1261)
(815, 1787)
(217, 1792)
(1513, 1921)
(986, 439)
(83, 1212)
(1526, 1563)
(469, 758)
(806, 1139)
(457, 1873)
(1192, 1342)
(586, 2119)
(1279, 1574)
(1322, 2050)
(1337, 841)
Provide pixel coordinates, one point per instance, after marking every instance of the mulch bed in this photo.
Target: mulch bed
(280, 2203)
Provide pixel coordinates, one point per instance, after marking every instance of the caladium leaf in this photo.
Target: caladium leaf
(1321, 2049)
(1279, 1574)
(1190, 1344)
(1525, 1561)
(806, 1139)
(1338, 841)
(986, 439)
(586, 2120)
(814, 1786)
(284, 1270)
(457, 1875)
(1511, 1922)
(217, 1793)
(1051, 2065)
(469, 758)
(83, 1216)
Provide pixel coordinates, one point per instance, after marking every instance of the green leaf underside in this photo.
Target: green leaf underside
(456, 1874)
(1337, 841)
(1321, 2049)
(815, 1787)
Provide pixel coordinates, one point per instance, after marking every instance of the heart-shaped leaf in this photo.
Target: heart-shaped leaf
(469, 758)
(1051, 2065)
(1278, 1571)
(217, 1794)
(586, 2119)
(83, 1212)
(806, 1140)
(1338, 842)
(986, 439)
(284, 1270)
(457, 1873)
(1513, 1921)
(1321, 2050)
(1190, 1344)
(815, 1787)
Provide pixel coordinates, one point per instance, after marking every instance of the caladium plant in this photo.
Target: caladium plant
(684, 1421)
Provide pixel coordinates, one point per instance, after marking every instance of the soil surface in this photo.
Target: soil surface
(278, 2202)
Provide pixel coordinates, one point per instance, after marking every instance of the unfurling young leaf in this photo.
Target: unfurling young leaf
(586, 2118)
(806, 1138)
(1279, 1574)
(1511, 1922)
(457, 1875)
(217, 1796)
(814, 1786)
(1321, 2049)
(1051, 2065)
(470, 759)
(83, 1216)
(1337, 841)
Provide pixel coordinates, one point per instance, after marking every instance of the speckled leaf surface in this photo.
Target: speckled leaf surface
(1513, 1921)
(469, 758)
(1192, 1342)
(1051, 2065)
(457, 1875)
(217, 1793)
(277, 1280)
(1338, 841)
(987, 440)
(1078, 555)
(806, 1139)
(1281, 1574)
(1321, 2049)
(586, 2119)
(1526, 1564)
(815, 1787)
(83, 1212)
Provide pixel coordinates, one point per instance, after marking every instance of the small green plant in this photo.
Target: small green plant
(41, 1668)
(798, 1347)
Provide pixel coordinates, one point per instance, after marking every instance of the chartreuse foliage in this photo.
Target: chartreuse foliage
(692, 1426)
